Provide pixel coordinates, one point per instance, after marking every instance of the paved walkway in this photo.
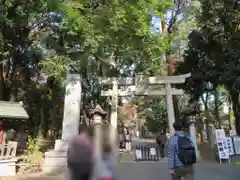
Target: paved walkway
(128, 169)
(159, 171)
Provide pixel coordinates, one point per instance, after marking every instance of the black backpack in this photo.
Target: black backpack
(186, 150)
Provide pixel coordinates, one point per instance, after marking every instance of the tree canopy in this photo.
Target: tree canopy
(213, 54)
(41, 39)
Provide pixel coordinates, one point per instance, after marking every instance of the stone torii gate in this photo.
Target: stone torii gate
(144, 86)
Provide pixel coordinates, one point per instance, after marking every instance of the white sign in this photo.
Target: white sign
(220, 134)
(236, 141)
(223, 149)
(233, 133)
(139, 154)
(230, 146)
(221, 140)
(153, 152)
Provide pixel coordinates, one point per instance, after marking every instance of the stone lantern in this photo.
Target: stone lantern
(192, 112)
(97, 115)
(193, 132)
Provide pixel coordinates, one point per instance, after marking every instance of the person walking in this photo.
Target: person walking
(2, 134)
(138, 134)
(80, 156)
(161, 142)
(128, 140)
(105, 161)
(105, 165)
(121, 140)
(181, 154)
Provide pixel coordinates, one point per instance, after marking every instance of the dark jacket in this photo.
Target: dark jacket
(161, 139)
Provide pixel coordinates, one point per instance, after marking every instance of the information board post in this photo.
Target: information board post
(223, 145)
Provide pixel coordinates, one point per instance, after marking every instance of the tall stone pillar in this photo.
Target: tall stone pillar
(55, 160)
(114, 119)
(170, 108)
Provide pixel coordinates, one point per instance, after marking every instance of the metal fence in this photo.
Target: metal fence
(147, 153)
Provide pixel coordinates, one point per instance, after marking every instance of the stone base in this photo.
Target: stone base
(61, 145)
(56, 160)
(8, 167)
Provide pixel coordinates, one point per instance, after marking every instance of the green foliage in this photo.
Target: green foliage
(113, 33)
(22, 78)
(32, 155)
(105, 39)
(156, 116)
(213, 51)
(17, 20)
(95, 38)
(55, 66)
(30, 146)
(180, 21)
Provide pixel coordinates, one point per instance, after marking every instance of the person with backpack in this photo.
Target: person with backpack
(80, 156)
(181, 154)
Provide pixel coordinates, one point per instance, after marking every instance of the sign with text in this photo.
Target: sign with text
(222, 146)
(236, 141)
(220, 134)
(153, 152)
(138, 154)
(230, 146)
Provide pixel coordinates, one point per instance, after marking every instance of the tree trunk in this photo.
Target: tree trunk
(216, 108)
(2, 84)
(206, 111)
(201, 124)
(171, 68)
(176, 108)
(236, 109)
(54, 107)
(230, 112)
(208, 119)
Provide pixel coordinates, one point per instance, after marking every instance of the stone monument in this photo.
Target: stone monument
(193, 134)
(56, 159)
